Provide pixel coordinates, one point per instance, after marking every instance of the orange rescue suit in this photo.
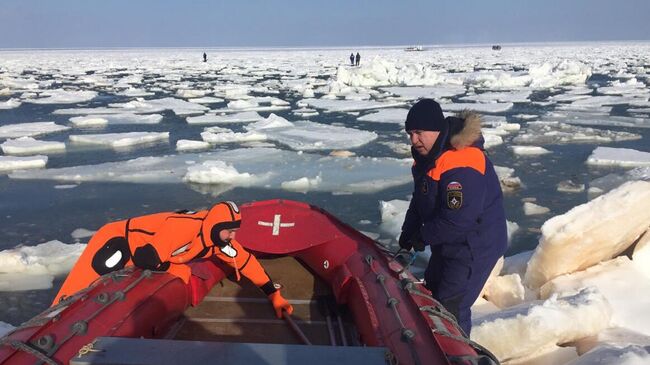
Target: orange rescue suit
(165, 242)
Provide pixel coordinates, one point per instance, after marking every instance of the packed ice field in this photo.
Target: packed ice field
(93, 136)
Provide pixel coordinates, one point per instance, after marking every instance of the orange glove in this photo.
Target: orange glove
(279, 304)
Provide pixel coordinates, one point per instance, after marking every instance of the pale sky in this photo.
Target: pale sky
(303, 23)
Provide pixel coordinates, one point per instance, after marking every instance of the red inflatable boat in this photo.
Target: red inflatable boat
(352, 304)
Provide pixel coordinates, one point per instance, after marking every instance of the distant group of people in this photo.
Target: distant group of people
(355, 60)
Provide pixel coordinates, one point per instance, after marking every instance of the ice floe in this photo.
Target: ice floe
(30, 146)
(392, 115)
(560, 133)
(119, 140)
(569, 186)
(354, 174)
(534, 209)
(597, 118)
(10, 104)
(611, 181)
(581, 238)
(420, 92)
(60, 96)
(34, 267)
(576, 280)
(141, 106)
(241, 117)
(612, 279)
(506, 178)
(189, 145)
(478, 107)
(300, 135)
(30, 129)
(532, 328)
(619, 157)
(529, 150)
(502, 97)
(339, 105)
(218, 137)
(22, 162)
(615, 355)
(106, 119)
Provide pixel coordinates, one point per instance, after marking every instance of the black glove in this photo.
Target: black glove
(405, 241)
(146, 257)
(416, 241)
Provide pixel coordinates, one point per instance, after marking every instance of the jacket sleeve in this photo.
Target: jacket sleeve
(461, 194)
(412, 219)
(245, 263)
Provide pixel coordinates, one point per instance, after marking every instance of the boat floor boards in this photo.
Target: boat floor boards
(240, 312)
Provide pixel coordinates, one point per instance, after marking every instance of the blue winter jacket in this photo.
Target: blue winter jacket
(457, 198)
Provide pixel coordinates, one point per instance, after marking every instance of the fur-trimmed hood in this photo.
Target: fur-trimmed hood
(465, 130)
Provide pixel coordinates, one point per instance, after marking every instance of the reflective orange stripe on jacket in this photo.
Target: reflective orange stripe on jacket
(471, 157)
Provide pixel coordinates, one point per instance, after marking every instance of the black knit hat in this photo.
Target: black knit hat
(426, 115)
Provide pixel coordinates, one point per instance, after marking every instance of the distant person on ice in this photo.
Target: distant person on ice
(358, 59)
(166, 242)
(205, 57)
(351, 59)
(457, 206)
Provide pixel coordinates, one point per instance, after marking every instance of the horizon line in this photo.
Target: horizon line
(261, 48)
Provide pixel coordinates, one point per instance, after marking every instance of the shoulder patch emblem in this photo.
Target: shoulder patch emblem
(454, 185)
(454, 199)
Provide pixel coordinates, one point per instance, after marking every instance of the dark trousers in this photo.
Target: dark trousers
(456, 278)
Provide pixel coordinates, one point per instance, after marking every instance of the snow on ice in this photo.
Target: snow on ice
(34, 267)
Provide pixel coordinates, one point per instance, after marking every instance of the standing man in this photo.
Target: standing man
(457, 206)
(358, 59)
(205, 57)
(351, 59)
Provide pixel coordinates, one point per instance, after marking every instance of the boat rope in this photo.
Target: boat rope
(22, 346)
(46, 346)
(410, 262)
(392, 302)
(437, 311)
(390, 358)
(81, 327)
(86, 349)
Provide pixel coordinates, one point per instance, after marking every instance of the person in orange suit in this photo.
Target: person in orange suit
(166, 242)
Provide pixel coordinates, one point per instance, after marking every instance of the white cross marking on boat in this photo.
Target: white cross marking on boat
(276, 224)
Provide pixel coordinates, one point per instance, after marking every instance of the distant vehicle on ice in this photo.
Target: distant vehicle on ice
(414, 48)
(496, 47)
